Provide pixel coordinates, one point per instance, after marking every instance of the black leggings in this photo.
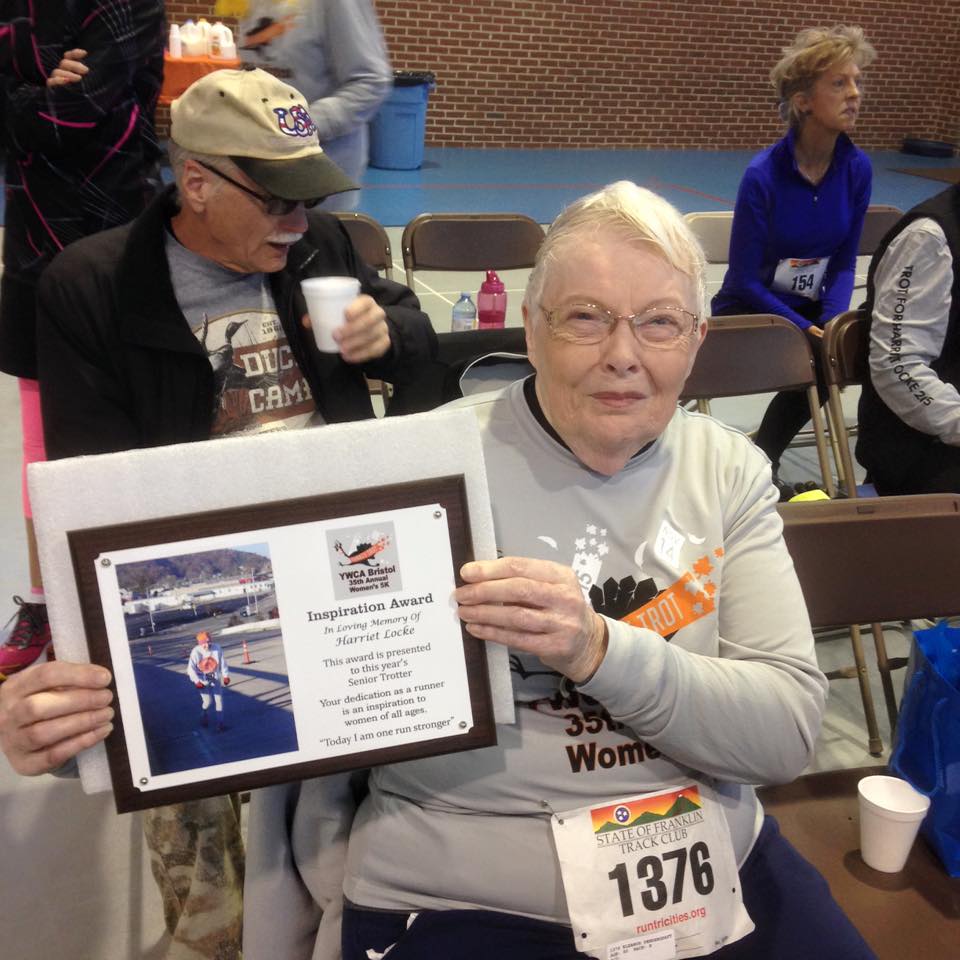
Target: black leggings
(789, 412)
(788, 900)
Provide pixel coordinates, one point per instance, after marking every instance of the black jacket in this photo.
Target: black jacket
(120, 368)
(80, 157)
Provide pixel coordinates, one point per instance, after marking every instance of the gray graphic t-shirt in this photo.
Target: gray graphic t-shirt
(259, 385)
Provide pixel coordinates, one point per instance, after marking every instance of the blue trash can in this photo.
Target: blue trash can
(397, 132)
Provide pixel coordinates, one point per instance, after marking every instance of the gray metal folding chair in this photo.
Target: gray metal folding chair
(469, 241)
(878, 220)
(880, 217)
(713, 231)
(845, 348)
(757, 353)
(371, 241)
(373, 245)
(871, 560)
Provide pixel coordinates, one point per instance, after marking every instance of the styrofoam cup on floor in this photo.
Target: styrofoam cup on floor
(890, 815)
(327, 299)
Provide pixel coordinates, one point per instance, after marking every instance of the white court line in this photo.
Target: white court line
(428, 289)
(445, 295)
(398, 265)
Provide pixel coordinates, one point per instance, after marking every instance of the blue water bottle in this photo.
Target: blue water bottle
(464, 316)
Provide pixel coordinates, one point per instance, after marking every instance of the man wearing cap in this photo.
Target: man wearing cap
(189, 322)
(184, 325)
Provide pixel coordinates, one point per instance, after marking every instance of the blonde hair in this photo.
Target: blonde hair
(632, 213)
(815, 51)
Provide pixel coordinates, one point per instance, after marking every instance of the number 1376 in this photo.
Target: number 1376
(655, 894)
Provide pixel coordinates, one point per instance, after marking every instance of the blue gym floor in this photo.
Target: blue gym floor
(540, 182)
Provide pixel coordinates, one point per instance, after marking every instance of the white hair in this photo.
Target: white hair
(633, 213)
(180, 155)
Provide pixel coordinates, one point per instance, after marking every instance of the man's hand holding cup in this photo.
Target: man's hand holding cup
(345, 321)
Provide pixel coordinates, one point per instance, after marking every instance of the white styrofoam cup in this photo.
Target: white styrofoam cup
(327, 299)
(891, 811)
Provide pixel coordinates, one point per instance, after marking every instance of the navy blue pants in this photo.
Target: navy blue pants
(789, 902)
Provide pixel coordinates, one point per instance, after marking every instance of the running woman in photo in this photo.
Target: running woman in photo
(209, 672)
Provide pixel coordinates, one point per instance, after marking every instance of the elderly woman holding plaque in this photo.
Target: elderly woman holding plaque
(662, 664)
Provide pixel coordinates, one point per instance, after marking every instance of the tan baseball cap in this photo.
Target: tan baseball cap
(262, 124)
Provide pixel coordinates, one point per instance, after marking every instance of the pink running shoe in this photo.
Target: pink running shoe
(24, 637)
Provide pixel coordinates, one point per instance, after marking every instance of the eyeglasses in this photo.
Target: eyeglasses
(273, 205)
(662, 328)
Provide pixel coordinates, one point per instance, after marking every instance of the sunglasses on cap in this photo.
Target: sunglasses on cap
(272, 205)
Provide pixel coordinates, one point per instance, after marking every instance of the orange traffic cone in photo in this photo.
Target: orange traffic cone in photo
(246, 653)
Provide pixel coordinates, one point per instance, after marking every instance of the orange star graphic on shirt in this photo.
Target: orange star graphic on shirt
(680, 604)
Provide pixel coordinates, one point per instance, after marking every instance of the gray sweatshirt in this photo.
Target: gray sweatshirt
(717, 684)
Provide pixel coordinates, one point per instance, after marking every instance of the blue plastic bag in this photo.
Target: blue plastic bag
(926, 752)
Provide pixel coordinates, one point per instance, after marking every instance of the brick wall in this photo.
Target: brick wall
(656, 73)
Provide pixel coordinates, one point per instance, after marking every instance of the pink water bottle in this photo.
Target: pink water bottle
(491, 303)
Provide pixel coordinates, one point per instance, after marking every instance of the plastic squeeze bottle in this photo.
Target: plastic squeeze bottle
(491, 303)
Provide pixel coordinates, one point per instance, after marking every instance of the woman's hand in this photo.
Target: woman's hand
(69, 70)
(51, 711)
(535, 606)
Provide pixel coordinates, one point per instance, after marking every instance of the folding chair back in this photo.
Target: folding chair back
(878, 220)
(470, 241)
(845, 348)
(753, 353)
(713, 232)
(371, 241)
(758, 353)
(867, 561)
(883, 558)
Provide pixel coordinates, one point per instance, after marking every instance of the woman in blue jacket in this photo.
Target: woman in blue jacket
(800, 209)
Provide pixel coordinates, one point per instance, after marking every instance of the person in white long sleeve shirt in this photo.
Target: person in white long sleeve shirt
(909, 438)
(333, 52)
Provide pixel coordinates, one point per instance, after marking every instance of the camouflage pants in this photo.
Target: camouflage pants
(197, 859)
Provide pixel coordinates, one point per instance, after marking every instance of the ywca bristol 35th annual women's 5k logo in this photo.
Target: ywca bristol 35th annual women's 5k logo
(364, 560)
(295, 121)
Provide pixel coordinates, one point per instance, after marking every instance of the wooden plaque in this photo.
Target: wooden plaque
(372, 654)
